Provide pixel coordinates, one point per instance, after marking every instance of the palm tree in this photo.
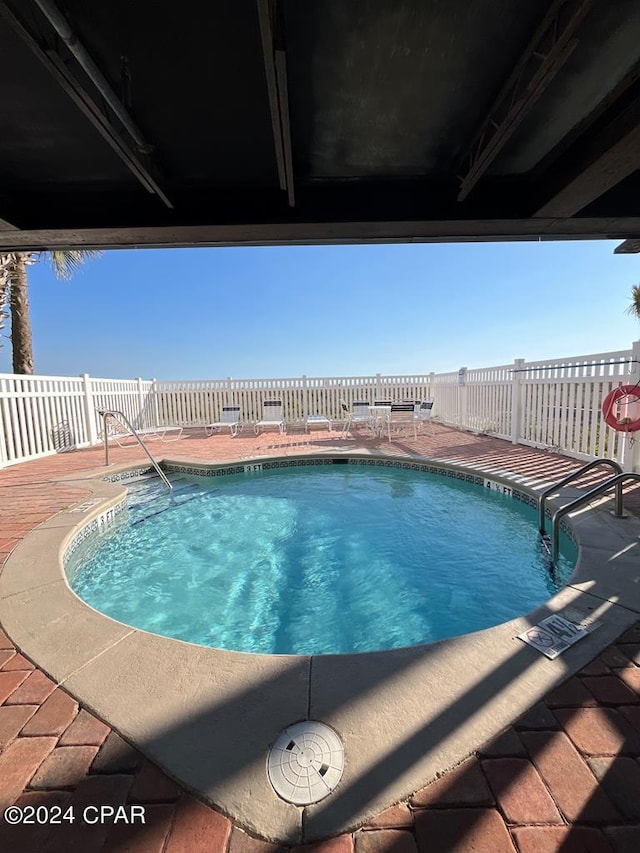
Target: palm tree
(6, 261)
(634, 308)
(14, 295)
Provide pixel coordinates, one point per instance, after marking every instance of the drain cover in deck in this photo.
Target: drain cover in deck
(305, 764)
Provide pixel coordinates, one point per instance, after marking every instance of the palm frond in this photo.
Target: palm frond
(634, 308)
(66, 262)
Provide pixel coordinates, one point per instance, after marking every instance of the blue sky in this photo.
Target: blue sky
(329, 310)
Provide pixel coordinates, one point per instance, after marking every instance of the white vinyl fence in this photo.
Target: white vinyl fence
(40, 415)
(554, 403)
(194, 403)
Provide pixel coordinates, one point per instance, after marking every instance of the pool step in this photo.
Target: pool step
(153, 500)
(151, 488)
(159, 510)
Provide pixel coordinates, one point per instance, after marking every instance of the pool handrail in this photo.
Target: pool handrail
(116, 414)
(574, 475)
(616, 481)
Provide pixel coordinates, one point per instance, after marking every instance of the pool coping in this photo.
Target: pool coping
(208, 716)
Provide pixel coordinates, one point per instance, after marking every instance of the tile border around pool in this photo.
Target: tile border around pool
(96, 527)
(146, 686)
(128, 474)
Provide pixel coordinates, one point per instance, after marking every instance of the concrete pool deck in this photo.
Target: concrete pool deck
(405, 716)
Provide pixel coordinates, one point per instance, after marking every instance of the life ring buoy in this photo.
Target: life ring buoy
(609, 406)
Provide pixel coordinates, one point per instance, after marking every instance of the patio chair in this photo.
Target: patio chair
(119, 432)
(230, 419)
(423, 413)
(359, 414)
(402, 419)
(272, 416)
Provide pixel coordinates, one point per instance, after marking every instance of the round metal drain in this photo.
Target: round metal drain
(306, 762)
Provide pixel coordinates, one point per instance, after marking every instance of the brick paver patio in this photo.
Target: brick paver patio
(564, 777)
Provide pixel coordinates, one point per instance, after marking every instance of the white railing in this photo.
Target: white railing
(40, 415)
(479, 400)
(561, 399)
(552, 404)
(194, 403)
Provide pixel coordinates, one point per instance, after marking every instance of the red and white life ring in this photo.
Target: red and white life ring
(623, 415)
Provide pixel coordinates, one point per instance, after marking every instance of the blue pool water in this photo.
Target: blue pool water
(336, 558)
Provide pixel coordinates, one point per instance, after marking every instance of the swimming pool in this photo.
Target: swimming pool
(332, 559)
(210, 716)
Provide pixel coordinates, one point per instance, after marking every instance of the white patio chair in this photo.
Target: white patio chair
(402, 419)
(272, 416)
(230, 419)
(359, 414)
(423, 413)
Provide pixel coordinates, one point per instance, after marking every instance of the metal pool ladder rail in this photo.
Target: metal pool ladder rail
(117, 415)
(615, 481)
(573, 476)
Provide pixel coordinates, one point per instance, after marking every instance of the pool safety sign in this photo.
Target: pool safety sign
(555, 634)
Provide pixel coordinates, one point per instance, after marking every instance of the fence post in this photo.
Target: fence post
(89, 410)
(516, 400)
(462, 398)
(4, 428)
(378, 387)
(226, 398)
(432, 386)
(141, 424)
(305, 397)
(631, 448)
(156, 403)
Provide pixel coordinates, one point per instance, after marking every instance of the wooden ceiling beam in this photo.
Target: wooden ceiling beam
(265, 18)
(275, 67)
(629, 247)
(552, 44)
(320, 233)
(597, 164)
(56, 66)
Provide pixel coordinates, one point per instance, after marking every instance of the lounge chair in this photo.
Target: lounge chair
(230, 419)
(272, 416)
(119, 432)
